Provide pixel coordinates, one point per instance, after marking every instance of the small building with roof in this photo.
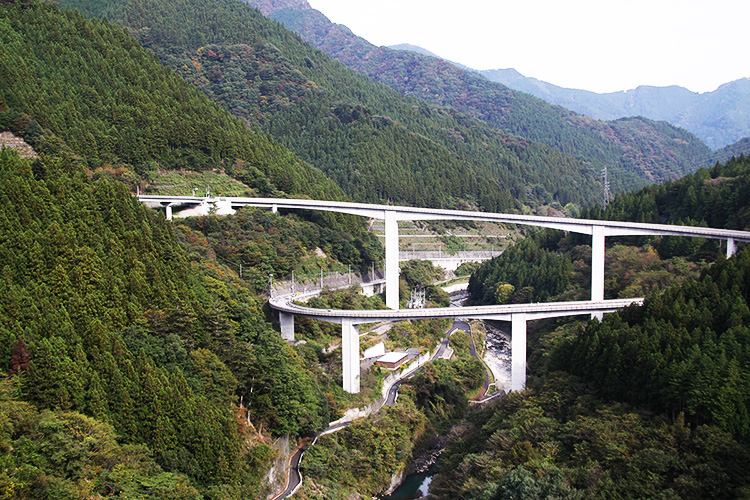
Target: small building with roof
(392, 360)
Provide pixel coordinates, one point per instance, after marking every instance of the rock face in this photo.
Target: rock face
(396, 480)
(428, 457)
(8, 140)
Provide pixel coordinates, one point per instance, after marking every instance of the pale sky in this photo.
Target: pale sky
(597, 45)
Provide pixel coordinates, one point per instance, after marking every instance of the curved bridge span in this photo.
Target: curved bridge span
(392, 214)
(183, 206)
(517, 314)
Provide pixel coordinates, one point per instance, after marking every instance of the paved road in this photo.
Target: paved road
(464, 326)
(392, 394)
(294, 478)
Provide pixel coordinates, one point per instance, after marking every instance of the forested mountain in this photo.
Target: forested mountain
(377, 144)
(653, 402)
(97, 94)
(107, 99)
(130, 369)
(134, 364)
(102, 315)
(739, 148)
(718, 118)
(637, 151)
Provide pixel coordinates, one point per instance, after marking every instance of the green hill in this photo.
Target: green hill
(91, 85)
(102, 315)
(377, 144)
(652, 402)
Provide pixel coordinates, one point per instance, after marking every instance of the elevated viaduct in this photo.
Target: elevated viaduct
(392, 214)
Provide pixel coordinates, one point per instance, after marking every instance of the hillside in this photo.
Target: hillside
(111, 102)
(718, 118)
(637, 151)
(717, 197)
(122, 361)
(377, 144)
(739, 148)
(664, 384)
(100, 96)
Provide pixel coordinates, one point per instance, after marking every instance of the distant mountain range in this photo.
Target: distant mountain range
(718, 118)
(636, 150)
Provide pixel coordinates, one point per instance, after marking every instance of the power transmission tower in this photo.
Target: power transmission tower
(605, 185)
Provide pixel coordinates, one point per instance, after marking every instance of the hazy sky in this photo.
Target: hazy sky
(598, 45)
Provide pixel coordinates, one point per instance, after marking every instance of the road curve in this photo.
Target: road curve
(404, 213)
(533, 311)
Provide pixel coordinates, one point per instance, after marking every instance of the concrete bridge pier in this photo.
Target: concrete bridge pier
(168, 208)
(391, 260)
(731, 247)
(518, 352)
(350, 355)
(286, 322)
(597, 267)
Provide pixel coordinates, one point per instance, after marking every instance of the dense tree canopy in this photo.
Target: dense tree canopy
(91, 84)
(102, 314)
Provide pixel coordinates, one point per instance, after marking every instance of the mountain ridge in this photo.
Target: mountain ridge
(677, 105)
(617, 144)
(375, 143)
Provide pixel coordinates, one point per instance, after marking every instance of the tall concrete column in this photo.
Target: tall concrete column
(168, 208)
(350, 355)
(597, 267)
(286, 322)
(597, 263)
(391, 260)
(518, 352)
(731, 247)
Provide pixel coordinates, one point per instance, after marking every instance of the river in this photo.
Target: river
(497, 354)
(497, 357)
(414, 486)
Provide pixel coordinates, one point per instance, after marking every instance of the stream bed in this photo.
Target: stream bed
(497, 357)
(497, 354)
